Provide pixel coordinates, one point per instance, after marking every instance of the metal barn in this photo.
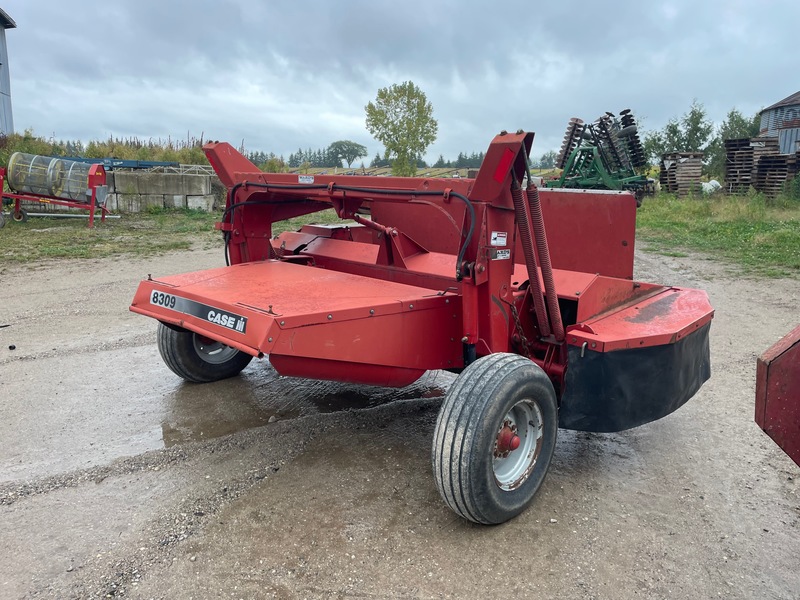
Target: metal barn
(782, 120)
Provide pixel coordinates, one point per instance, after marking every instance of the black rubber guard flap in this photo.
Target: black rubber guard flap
(613, 391)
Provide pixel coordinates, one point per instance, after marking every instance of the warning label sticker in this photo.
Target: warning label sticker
(499, 238)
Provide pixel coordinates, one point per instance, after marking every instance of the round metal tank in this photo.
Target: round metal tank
(48, 176)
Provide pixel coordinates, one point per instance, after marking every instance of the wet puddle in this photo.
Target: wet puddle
(260, 396)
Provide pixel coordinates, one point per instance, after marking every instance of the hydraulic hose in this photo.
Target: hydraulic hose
(341, 188)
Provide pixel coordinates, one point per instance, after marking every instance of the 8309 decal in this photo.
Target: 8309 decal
(212, 314)
(162, 299)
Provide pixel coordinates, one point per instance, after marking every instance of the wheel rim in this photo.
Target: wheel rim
(518, 444)
(211, 351)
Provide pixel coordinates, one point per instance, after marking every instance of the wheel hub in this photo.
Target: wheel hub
(518, 444)
(507, 440)
(211, 351)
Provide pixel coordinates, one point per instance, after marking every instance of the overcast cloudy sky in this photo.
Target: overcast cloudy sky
(281, 75)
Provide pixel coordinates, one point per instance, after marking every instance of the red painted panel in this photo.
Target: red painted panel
(503, 165)
(587, 231)
(778, 393)
(296, 310)
(590, 231)
(662, 318)
(333, 370)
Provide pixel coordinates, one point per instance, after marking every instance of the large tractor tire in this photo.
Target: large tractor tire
(494, 439)
(197, 358)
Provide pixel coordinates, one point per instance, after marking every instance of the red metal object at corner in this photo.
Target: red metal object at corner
(778, 393)
(96, 179)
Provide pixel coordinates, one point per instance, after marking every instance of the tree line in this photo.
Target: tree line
(695, 132)
(340, 151)
(188, 151)
(402, 119)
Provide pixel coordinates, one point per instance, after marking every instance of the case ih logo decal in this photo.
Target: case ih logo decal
(217, 316)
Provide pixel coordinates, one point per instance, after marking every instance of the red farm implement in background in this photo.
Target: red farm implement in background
(547, 328)
(778, 393)
(56, 181)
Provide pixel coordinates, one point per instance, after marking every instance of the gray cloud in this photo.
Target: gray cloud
(282, 75)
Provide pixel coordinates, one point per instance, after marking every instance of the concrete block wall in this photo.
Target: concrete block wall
(132, 192)
(136, 191)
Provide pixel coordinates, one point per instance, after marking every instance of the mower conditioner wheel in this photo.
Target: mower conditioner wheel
(19, 216)
(197, 358)
(494, 438)
(2, 219)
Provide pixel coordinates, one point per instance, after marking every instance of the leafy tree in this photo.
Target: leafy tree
(401, 118)
(691, 133)
(439, 164)
(273, 165)
(347, 151)
(548, 160)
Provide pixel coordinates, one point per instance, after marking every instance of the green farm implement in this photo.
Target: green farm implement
(604, 155)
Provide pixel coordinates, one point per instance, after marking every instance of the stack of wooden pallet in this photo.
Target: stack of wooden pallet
(738, 165)
(756, 162)
(772, 172)
(681, 172)
(769, 171)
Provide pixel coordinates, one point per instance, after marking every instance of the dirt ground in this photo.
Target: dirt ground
(117, 479)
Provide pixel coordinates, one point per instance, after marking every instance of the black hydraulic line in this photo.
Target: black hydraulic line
(226, 235)
(464, 199)
(371, 191)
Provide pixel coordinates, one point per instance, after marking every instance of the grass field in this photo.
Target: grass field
(758, 236)
(153, 232)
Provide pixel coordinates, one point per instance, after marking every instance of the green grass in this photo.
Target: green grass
(323, 217)
(760, 236)
(154, 232)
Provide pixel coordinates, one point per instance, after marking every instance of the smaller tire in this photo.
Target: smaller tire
(20, 217)
(495, 436)
(197, 358)
(2, 220)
